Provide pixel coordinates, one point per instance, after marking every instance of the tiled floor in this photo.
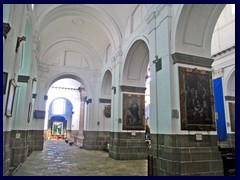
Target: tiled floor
(60, 159)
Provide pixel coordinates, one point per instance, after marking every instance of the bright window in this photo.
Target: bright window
(59, 106)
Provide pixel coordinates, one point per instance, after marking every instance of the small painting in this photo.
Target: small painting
(133, 112)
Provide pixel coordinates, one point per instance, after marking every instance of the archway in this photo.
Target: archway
(60, 118)
(69, 96)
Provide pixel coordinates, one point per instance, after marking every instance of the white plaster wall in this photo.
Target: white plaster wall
(11, 60)
(224, 32)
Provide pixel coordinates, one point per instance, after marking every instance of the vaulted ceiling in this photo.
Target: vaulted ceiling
(79, 34)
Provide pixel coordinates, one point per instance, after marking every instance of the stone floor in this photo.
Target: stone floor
(60, 159)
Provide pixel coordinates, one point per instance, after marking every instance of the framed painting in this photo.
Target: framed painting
(29, 112)
(5, 77)
(10, 98)
(196, 99)
(133, 112)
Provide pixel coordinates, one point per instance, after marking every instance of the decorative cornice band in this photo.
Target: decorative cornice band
(132, 89)
(192, 60)
(102, 100)
(223, 52)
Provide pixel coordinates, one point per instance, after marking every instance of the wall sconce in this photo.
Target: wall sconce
(114, 89)
(19, 40)
(34, 80)
(158, 63)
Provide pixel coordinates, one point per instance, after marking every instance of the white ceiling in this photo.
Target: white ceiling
(92, 26)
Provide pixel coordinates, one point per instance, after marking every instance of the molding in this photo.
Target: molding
(6, 29)
(223, 51)
(132, 89)
(102, 100)
(192, 60)
(229, 98)
(23, 79)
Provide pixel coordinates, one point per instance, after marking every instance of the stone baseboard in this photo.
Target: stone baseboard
(18, 147)
(124, 146)
(35, 140)
(6, 152)
(96, 140)
(182, 155)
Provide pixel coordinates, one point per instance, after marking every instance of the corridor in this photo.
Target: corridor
(60, 159)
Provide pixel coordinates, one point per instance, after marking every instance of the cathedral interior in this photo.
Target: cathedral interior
(135, 89)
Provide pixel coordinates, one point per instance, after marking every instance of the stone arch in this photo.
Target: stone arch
(106, 85)
(57, 77)
(135, 65)
(194, 38)
(65, 118)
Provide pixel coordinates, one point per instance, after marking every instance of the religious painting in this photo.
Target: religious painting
(10, 98)
(231, 106)
(57, 128)
(196, 99)
(133, 112)
(107, 111)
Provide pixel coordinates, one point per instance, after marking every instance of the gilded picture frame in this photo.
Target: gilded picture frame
(133, 112)
(196, 99)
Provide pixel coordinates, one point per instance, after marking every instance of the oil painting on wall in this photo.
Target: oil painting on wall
(133, 112)
(196, 99)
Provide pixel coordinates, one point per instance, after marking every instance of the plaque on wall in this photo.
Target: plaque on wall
(39, 114)
(196, 99)
(133, 112)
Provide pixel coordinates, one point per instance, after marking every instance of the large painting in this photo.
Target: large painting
(133, 112)
(196, 99)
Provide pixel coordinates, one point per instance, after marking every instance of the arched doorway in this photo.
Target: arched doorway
(66, 99)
